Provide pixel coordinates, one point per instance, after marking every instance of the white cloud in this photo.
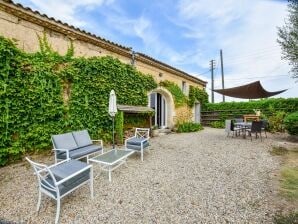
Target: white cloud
(246, 31)
(143, 28)
(67, 10)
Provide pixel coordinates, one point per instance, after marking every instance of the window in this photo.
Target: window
(184, 87)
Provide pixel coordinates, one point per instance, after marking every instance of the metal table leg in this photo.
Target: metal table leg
(110, 174)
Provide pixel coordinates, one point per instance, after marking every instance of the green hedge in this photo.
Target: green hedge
(291, 123)
(45, 93)
(274, 110)
(272, 104)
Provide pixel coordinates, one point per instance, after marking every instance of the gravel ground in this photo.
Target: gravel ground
(201, 177)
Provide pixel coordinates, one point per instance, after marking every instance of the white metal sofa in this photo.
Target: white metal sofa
(75, 145)
(139, 142)
(62, 178)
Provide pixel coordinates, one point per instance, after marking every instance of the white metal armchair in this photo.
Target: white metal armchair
(62, 178)
(139, 142)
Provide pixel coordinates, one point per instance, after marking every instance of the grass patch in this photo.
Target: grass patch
(290, 218)
(278, 151)
(289, 182)
(288, 186)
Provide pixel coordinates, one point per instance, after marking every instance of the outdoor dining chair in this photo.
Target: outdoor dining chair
(139, 142)
(265, 126)
(256, 127)
(229, 127)
(60, 179)
(238, 120)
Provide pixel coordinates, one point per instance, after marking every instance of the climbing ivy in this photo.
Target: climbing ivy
(196, 94)
(179, 98)
(91, 87)
(46, 93)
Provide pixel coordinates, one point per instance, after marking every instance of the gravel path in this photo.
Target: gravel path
(201, 177)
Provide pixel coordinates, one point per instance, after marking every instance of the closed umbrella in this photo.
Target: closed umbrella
(113, 110)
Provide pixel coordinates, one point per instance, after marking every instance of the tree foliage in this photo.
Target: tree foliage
(288, 37)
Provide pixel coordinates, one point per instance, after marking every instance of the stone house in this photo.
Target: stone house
(23, 24)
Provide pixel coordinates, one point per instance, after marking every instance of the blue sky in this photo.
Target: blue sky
(187, 34)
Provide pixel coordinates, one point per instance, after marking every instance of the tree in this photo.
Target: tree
(288, 37)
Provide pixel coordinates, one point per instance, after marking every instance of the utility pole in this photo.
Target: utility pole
(212, 80)
(222, 75)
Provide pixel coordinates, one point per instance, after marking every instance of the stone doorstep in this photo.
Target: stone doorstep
(164, 130)
(160, 132)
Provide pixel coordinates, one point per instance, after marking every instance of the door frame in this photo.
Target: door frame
(197, 114)
(162, 108)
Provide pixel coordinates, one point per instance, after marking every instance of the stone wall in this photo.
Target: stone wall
(183, 114)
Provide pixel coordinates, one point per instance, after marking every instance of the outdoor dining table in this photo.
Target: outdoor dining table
(251, 116)
(112, 159)
(243, 126)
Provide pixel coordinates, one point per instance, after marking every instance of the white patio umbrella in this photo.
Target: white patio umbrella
(113, 110)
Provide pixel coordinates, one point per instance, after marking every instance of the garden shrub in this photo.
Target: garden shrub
(217, 124)
(45, 93)
(291, 123)
(188, 127)
(276, 121)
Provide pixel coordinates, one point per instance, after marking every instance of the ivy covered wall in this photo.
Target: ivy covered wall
(44, 93)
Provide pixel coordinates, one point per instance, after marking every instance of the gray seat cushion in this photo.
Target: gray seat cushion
(68, 168)
(68, 185)
(64, 141)
(80, 152)
(82, 138)
(64, 170)
(135, 143)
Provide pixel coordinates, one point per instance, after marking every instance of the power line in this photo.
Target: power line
(205, 72)
(243, 56)
(255, 77)
(244, 61)
(261, 51)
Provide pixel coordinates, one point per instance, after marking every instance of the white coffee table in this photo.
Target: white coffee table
(112, 159)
